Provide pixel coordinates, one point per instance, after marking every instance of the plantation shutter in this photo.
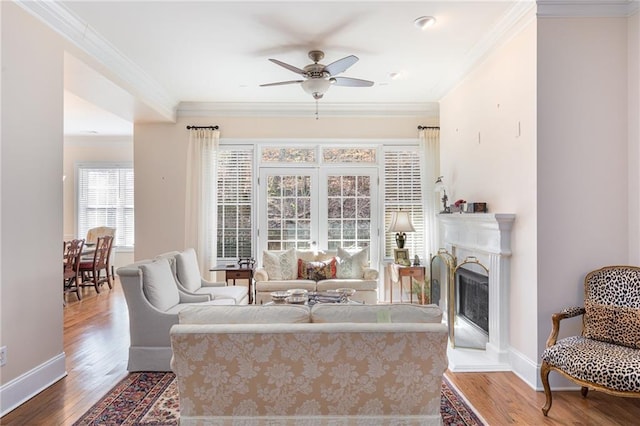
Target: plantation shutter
(235, 201)
(402, 191)
(105, 198)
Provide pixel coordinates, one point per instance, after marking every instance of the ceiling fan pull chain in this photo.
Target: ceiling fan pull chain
(316, 109)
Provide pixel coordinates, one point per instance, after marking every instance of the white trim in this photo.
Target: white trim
(587, 8)
(306, 109)
(524, 368)
(22, 388)
(78, 32)
(511, 23)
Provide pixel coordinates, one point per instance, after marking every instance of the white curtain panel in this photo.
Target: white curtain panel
(201, 202)
(430, 159)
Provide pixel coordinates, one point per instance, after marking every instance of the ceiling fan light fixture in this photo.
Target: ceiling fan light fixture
(424, 22)
(316, 86)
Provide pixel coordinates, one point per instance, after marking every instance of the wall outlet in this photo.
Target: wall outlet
(3, 356)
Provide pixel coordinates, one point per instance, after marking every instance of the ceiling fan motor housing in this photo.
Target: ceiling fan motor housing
(315, 71)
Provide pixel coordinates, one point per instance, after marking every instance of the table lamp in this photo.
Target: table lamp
(400, 223)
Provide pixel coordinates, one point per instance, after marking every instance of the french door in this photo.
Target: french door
(318, 208)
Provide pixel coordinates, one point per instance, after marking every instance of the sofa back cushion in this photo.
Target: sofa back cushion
(187, 270)
(158, 284)
(352, 264)
(280, 265)
(248, 314)
(399, 313)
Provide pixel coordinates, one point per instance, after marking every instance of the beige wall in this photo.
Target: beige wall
(160, 162)
(488, 154)
(633, 39)
(31, 227)
(91, 149)
(583, 166)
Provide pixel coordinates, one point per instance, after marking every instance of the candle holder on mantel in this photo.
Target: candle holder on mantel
(442, 188)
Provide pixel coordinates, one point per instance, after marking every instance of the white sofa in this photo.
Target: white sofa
(309, 270)
(154, 298)
(331, 364)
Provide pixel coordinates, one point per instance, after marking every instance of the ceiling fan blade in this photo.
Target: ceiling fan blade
(341, 65)
(287, 66)
(281, 83)
(351, 82)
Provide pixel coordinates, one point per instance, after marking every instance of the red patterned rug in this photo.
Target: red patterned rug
(152, 399)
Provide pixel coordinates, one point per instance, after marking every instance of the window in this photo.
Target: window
(105, 198)
(235, 199)
(402, 190)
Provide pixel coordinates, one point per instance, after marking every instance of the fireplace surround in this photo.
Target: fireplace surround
(485, 238)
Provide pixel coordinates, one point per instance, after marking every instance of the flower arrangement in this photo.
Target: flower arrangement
(459, 203)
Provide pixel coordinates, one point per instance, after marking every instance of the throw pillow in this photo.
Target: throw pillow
(280, 265)
(158, 284)
(316, 271)
(619, 325)
(187, 270)
(352, 265)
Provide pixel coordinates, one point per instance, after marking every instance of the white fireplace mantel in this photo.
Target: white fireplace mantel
(487, 237)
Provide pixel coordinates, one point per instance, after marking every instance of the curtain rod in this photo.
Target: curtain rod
(203, 127)
(428, 127)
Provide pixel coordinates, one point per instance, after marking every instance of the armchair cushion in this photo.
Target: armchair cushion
(187, 270)
(609, 365)
(159, 285)
(351, 265)
(612, 324)
(280, 265)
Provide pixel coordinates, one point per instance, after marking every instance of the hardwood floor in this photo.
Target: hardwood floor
(96, 339)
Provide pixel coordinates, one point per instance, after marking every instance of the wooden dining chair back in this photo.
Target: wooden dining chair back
(72, 252)
(101, 231)
(92, 270)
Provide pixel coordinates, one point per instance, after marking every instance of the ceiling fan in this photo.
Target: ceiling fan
(319, 77)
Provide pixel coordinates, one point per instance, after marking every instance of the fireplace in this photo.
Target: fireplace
(472, 290)
(480, 289)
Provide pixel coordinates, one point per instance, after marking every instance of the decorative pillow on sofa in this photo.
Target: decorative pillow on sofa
(280, 265)
(317, 271)
(352, 265)
(613, 324)
(159, 285)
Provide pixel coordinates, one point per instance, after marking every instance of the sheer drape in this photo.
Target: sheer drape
(201, 201)
(430, 159)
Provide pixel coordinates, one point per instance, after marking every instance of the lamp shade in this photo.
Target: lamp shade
(400, 222)
(316, 85)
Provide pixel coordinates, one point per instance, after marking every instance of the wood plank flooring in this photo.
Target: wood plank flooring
(96, 339)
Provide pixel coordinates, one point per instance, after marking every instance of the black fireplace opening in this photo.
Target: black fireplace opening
(472, 302)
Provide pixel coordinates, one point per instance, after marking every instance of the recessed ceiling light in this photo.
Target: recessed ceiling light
(394, 75)
(424, 22)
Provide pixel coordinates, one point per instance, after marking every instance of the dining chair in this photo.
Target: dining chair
(72, 251)
(91, 270)
(101, 231)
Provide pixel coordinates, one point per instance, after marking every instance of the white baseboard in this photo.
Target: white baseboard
(26, 386)
(529, 372)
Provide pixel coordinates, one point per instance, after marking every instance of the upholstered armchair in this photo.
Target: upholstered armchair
(606, 356)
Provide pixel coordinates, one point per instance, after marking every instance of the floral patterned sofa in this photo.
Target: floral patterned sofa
(293, 365)
(317, 271)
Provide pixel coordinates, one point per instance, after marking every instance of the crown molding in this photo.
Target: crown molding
(306, 109)
(62, 20)
(587, 8)
(512, 22)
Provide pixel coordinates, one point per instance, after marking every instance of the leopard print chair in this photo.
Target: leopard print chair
(606, 357)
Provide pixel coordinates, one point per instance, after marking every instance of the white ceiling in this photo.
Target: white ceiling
(163, 53)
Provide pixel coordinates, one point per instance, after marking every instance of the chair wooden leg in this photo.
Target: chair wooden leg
(78, 288)
(95, 280)
(109, 277)
(584, 390)
(545, 369)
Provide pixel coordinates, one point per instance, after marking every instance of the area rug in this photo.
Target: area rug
(152, 399)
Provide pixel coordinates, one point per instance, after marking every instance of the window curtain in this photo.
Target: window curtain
(430, 158)
(200, 199)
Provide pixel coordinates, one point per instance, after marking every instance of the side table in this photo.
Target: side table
(397, 273)
(233, 273)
